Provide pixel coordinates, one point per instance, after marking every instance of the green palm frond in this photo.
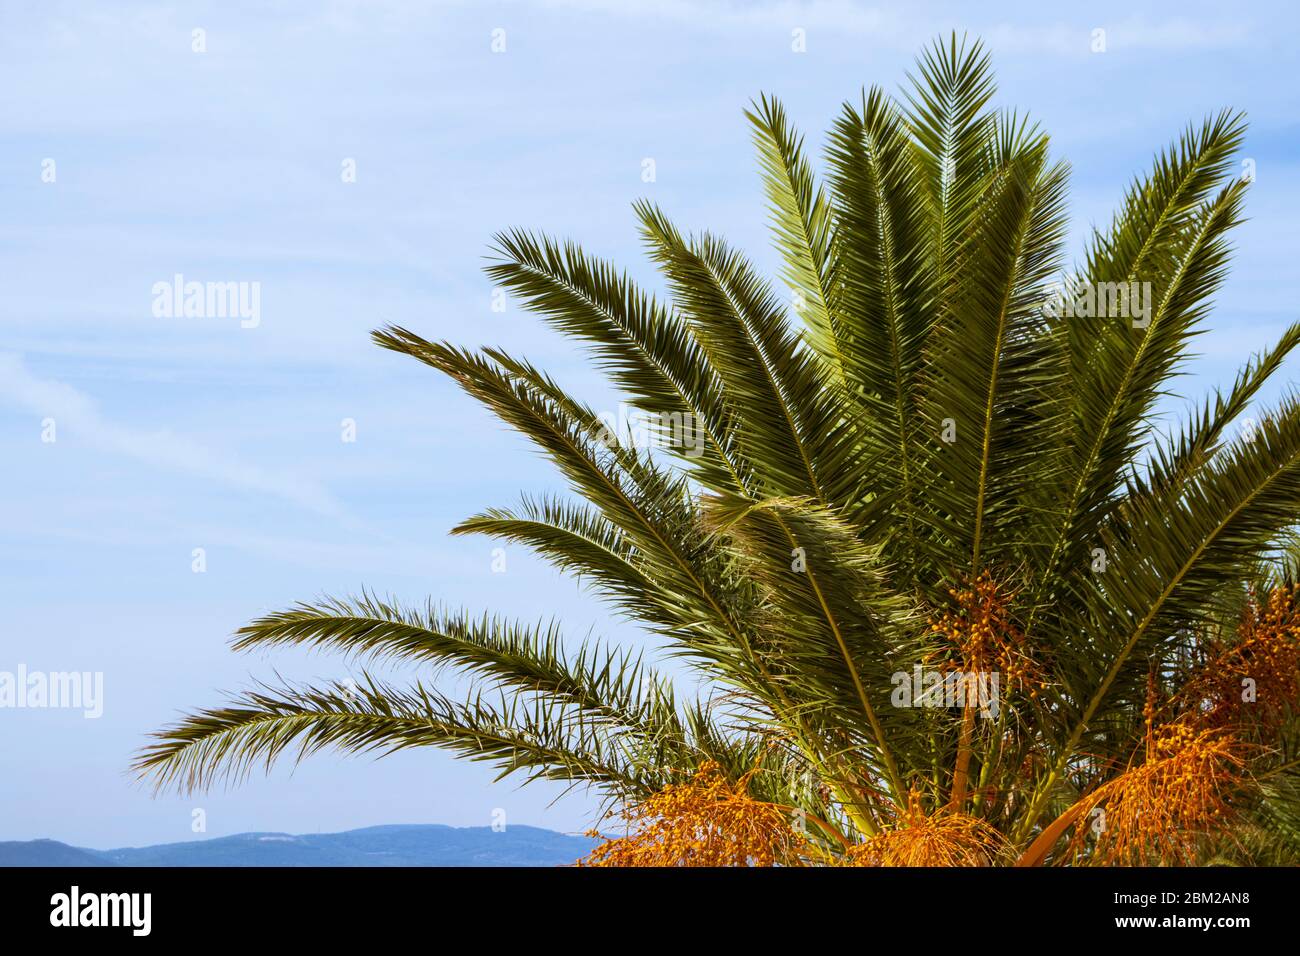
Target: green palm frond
(991, 395)
(1180, 458)
(604, 682)
(534, 736)
(950, 125)
(803, 223)
(794, 429)
(647, 351)
(1170, 234)
(939, 414)
(888, 288)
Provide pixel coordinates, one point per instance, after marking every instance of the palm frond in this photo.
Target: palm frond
(940, 459)
(604, 682)
(535, 737)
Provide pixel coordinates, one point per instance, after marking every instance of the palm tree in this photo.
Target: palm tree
(935, 464)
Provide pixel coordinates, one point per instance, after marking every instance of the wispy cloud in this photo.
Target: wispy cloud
(905, 28)
(77, 416)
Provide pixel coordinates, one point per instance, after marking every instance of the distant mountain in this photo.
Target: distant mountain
(47, 853)
(411, 845)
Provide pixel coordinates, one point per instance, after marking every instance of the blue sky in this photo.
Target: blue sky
(226, 166)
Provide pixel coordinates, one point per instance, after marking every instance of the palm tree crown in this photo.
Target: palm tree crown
(932, 466)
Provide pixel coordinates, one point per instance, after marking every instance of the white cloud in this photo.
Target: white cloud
(77, 416)
(909, 27)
